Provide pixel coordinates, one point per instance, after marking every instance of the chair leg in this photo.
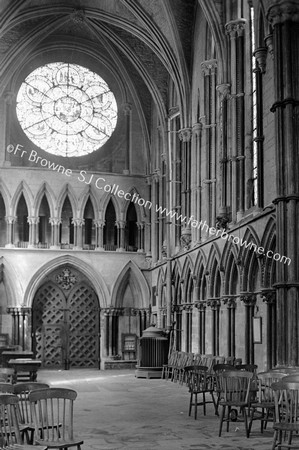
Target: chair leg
(246, 422)
(221, 419)
(251, 419)
(274, 439)
(204, 403)
(214, 403)
(190, 404)
(228, 418)
(195, 406)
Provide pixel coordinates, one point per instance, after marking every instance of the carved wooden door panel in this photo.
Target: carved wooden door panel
(84, 327)
(65, 322)
(49, 325)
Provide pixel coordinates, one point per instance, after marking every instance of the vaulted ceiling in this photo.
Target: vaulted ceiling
(145, 42)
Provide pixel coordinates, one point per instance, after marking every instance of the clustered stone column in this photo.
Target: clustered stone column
(10, 221)
(78, 233)
(55, 224)
(19, 325)
(99, 224)
(284, 18)
(249, 301)
(235, 29)
(33, 229)
(230, 303)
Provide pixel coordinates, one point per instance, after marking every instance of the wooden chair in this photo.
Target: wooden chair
(235, 394)
(263, 408)
(218, 370)
(10, 435)
(23, 410)
(51, 408)
(247, 367)
(168, 368)
(198, 383)
(6, 388)
(286, 399)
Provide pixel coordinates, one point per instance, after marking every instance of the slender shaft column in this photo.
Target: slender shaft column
(121, 224)
(127, 108)
(284, 18)
(230, 302)
(99, 224)
(33, 228)
(235, 29)
(78, 233)
(196, 179)
(140, 226)
(55, 224)
(6, 106)
(10, 222)
(249, 301)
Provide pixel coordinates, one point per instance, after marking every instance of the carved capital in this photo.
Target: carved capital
(230, 302)
(99, 223)
(209, 67)
(223, 90)
(54, 221)
(269, 296)
(214, 303)
(78, 222)
(269, 44)
(196, 129)
(282, 11)
(261, 57)
(235, 28)
(248, 299)
(186, 238)
(10, 220)
(185, 134)
(120, 223)
(201, 305)
(33, 220)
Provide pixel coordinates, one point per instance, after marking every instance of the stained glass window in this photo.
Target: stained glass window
(66, 109)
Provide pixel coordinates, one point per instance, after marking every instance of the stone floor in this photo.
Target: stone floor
(114, 410)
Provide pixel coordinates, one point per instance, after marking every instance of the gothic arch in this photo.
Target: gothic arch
(83, 199)
(24, 189)
(188, 278)
(269, 243)
(46, 190)
(213, 266)
(140, 210)
(6, 197)
(104, 203)
(250, 264)
(67, 191)
(133, 275)
(228, 264)
(94, 277)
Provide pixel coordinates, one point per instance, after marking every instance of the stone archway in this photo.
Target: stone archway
(65, 321)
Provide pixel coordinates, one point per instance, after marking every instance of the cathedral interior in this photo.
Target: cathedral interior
(149, 176)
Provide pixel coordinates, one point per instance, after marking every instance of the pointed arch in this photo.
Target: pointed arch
(269, 243)
(46, 190)
(67, 191)
(88, 193)
(213, 271)
(140, 210)
(104, 203)
(131, 274)
(94, 277)
(24, 189)
(6, 197)
(249, 261)
(228, 265)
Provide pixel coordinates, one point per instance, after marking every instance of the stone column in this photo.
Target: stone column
(121, 224)
(185, 136)
(249, 301)
(230, 303)
(284, 18)
(99, 224)
(140, 226)
(33, 229)
(10, 222)
(55, 223)
(223, 91)
(196, 179)
(127, 108)
(269, 297)
(215, 307)
(235, 29)
(78, 233)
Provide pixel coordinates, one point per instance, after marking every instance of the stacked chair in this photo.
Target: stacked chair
(199, 382)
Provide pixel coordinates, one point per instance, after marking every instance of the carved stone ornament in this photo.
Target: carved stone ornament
(222, 222)
(66, 279)
(186, 238)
